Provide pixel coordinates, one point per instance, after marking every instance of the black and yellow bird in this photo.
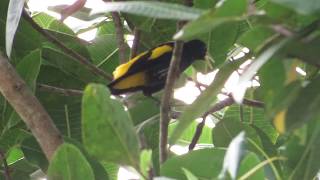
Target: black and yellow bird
(147, 72)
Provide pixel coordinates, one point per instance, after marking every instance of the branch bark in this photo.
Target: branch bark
(173, 73)
(166, 98)
(16, 92)
(120, 35)
(135, 43)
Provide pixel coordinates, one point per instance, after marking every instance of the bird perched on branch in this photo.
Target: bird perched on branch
(147, 72)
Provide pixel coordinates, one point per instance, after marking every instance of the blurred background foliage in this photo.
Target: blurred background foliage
(271, 45)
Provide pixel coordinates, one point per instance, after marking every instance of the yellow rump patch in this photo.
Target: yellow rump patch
(123, 68)
(132, 81)
(157, 52)
(279, 121)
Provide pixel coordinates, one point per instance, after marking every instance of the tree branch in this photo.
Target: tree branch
(64, 92)
(16, 92)
(167, 96)
(120, 35)
(173, 73)
(135, 43)
(76, 56)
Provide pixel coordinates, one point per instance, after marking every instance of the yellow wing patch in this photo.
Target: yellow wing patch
(132, 81)
(123, 68)
(279, 121)
(157, 52)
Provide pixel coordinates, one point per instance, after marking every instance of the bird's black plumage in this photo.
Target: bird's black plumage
(147, 72)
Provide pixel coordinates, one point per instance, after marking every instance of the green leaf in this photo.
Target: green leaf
(67, 64)
(189, 175)
(201, 104)
(233, 156)
(146, 161)
(272, 77)
(254, 67)
(108, 133)
(33, 153)
(230, 126)
(13, 17)
(230, 11)
(12, 137)
(204, 4)
(14, 154)
(29, 68)
(204, 163)
(186, 137)
(248, 167)
(305, 7)
(153, 9)
(305, 107)
(221, 40)
(68, 163)
(255, 37)
(301, 150)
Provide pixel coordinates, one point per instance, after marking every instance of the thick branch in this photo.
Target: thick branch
(76, 56)
(16, 92)
(64, 92)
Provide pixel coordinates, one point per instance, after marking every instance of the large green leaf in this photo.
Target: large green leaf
(222, 39)
(68, 163)
(201, 104)
(154, 9)
(230, 11)
(108, 133)
(29, 68)
(204, 163)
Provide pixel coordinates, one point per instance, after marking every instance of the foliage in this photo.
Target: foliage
(101, 133)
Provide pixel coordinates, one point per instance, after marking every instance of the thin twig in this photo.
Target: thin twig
(166, 98)
(197, 134)
(119, 35)
(217, 107)
(135, 43)
(76, 56)
(5, 165)
(64, 92)
(17, 93)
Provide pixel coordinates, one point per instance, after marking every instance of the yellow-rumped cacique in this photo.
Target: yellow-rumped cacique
(147, 72)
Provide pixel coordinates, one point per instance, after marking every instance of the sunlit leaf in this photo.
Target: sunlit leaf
(13, 17)
(154, 9)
